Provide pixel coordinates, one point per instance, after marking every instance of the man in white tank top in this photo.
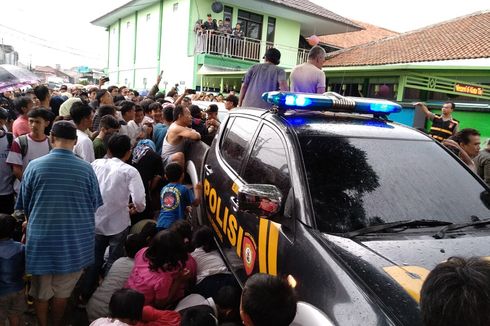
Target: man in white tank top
(177, 134)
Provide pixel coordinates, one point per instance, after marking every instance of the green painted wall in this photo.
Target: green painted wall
(113, 51)
(146, 65)
(223, 62)
(286, 40)
(177, 64)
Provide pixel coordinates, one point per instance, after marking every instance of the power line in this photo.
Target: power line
(37, 40)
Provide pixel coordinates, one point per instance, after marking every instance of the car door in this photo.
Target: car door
(263, 238)
(220, 172)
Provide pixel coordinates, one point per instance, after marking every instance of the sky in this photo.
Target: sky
(51, 32)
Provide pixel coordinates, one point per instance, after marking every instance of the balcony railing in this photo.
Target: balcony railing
(246, 48)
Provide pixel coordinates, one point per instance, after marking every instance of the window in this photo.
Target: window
(128, 24)
(176, 6)
(235, 143)
(228, 13)
(268, 162)
(251, 24)
(271, 29)
(359, 182)
(148, 17)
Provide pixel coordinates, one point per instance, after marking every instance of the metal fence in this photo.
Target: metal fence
(246, 48)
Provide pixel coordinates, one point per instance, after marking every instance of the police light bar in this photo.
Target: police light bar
(330, 101)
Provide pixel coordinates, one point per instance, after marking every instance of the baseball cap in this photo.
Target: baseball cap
(212, 108)
(64, 129)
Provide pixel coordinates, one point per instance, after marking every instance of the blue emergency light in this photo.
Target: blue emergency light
(330, 102)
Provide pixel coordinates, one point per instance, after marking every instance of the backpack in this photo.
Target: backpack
(24, 145)
(10, 139)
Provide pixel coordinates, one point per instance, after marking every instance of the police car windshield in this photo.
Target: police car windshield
(359, 182)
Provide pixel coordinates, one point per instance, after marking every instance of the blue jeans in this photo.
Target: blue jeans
(116, 250)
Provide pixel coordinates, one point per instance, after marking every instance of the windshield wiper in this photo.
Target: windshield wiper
(476, 222)
(385, 226)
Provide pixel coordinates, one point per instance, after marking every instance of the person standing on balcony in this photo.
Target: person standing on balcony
(309, 77)
(237, 35)
(225, 31)
(210, 39)
(237, 31)
(210, 24)
(226, 27)
(198, 29)
(263, 77)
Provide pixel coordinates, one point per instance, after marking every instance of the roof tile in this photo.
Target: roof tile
(311, 8)
(368, 34)
(461, 38)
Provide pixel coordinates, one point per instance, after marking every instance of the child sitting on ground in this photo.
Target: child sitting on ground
(212, 273)
(176, 199)
(98, 305)
(12, 260)
(163, 270)
(127, 308)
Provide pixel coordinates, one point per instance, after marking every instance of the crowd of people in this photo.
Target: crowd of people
(78, 169)
(94, 206)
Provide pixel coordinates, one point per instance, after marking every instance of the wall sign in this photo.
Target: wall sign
(468, 89)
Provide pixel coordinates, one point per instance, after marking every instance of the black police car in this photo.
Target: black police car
(354, 208)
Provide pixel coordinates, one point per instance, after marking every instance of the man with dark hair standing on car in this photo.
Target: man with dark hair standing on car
(443, 126)
(263, 77)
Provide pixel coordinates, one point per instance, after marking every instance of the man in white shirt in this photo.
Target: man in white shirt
(83, 116)
(135, 126)
(309, 77)
(128, 114)
(119, 182)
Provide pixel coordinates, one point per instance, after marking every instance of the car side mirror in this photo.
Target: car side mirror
(260, 199)
(485, 198)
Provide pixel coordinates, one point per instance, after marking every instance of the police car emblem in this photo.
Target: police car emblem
(249, 254)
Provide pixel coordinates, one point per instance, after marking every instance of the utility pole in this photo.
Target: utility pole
(3, 52)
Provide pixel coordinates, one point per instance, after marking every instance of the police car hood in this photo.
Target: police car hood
(393, 270)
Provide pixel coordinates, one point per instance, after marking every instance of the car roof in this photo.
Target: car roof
(315, 123)
(350, 125)
(203, 105)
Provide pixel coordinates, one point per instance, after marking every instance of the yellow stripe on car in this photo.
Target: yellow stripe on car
(410, 278)
(273, 242)
(263, 226)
